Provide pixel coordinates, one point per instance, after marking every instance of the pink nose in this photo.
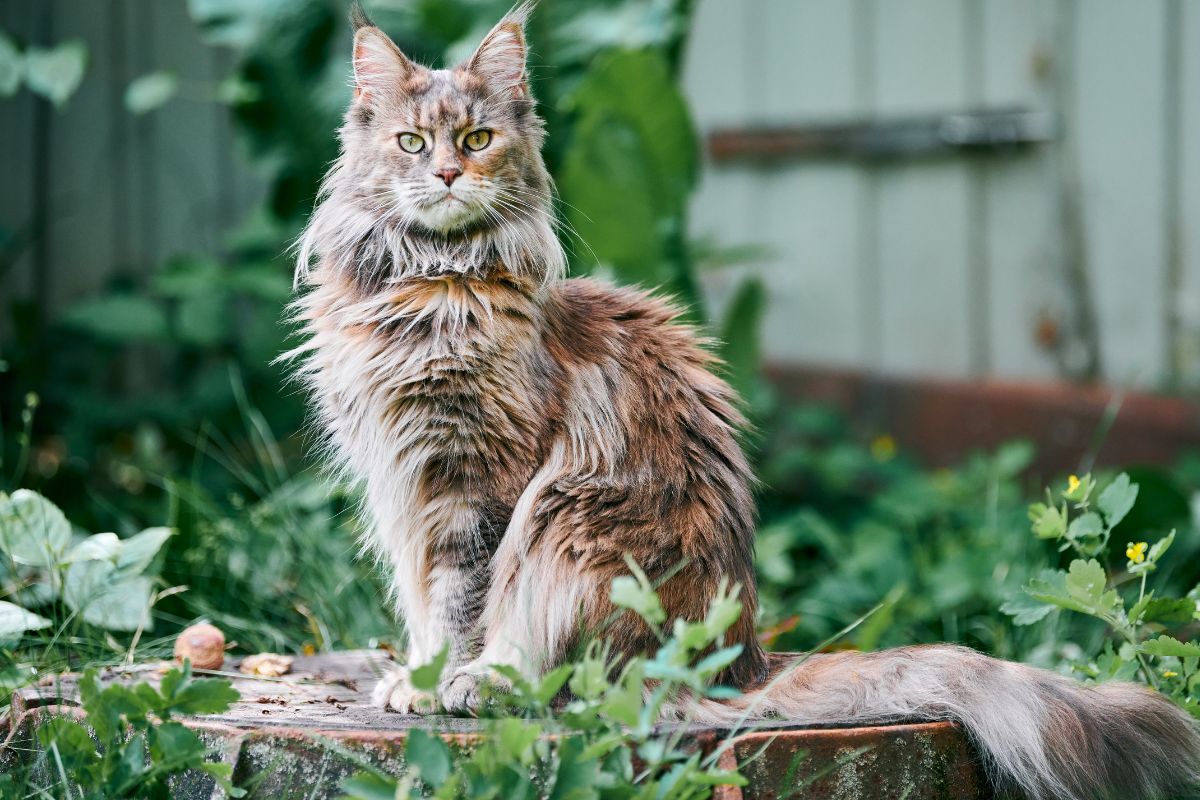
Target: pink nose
(448, 174)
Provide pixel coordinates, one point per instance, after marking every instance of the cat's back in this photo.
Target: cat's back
(589, 321)
(631, 362)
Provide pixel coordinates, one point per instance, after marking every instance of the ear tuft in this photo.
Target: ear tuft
(358, 17)
(379, 66)
(500, 58)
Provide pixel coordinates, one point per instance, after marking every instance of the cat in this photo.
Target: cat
(517, 434)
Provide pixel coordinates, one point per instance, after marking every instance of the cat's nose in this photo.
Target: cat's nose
(448, 174)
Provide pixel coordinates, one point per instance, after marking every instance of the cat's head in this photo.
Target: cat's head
(450, 149)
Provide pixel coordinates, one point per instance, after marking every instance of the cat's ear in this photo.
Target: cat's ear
(500, 58)
(379, 66)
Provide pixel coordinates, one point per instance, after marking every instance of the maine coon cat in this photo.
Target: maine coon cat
(516, 434)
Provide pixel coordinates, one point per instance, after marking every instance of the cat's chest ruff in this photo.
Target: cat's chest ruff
(428, 345)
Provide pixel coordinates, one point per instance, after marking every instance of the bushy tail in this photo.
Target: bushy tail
(1039, 733)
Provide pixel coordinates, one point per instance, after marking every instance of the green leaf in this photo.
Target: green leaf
(628, 592)
(577, 776)
(1012, 458)
(15, 620)
(631, 166)
(97, 547)
(428, 755)
(723, 611)
(107, 706)
(716, 662)
(222, 775)
(150, 91)
(1086, 526)
(120, 318)
(1025, 610)
(1160, 547)
(172, 741)
(33, 531)
(12, 67)
(1048, 521)
(1051, 586)
(426, 677)
(1168, 646)
(1086, 581)
(74, 744)
(132, 760)
(1170, 610)
(740, 336)
(56, 72)
(108, 598)
(370, 786)
(138, 551)
(552, 682)
(516, 737)
(204, 696)
(1117, 499)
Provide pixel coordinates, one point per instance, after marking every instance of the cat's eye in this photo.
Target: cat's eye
(477, 140)
(411, 143)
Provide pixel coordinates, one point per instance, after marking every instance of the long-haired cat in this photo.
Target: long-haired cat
(517, 434)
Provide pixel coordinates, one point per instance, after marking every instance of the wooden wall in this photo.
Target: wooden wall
(946, 266)
(925, 266)
(118, 193)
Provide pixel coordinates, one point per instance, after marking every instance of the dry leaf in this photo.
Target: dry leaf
(272, 665)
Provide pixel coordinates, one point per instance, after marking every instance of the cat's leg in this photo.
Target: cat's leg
(537, 599)
(440, 575)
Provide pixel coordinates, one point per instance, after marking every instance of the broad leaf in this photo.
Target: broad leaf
(631, 166)
(56, 72)
(428, 755)
(740, 336)
(139, 550)
(15, 620)
(628, 592)
(171, 741)
(426, 677)
(1025, 610)
(369, 786)
(1117, 499)
(74, 744)
(106, 597)
(150, 91)
(33, 530)
(1170, 610)
(204, 696)
(1168, 646)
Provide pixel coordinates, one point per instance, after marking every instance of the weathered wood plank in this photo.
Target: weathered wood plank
(1119, 117)
(923, 236)
(1186, 297)
(718, 80)
(1020, 224)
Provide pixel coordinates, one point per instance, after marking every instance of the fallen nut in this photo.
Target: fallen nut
(203, 645)
(271, 665)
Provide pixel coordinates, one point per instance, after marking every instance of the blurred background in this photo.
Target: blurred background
(949, 249)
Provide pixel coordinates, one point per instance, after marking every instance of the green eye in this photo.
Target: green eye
(477, 140)
(411, 143)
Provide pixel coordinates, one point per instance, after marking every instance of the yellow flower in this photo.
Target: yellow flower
(1136, 552)
(1170, 674)
(1072, 484)
(883, 448)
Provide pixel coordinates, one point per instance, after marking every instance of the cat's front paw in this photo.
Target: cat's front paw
(394, 692)
(464, 692)
(461, 694)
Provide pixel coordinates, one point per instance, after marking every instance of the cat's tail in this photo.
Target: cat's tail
(1038, 733)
